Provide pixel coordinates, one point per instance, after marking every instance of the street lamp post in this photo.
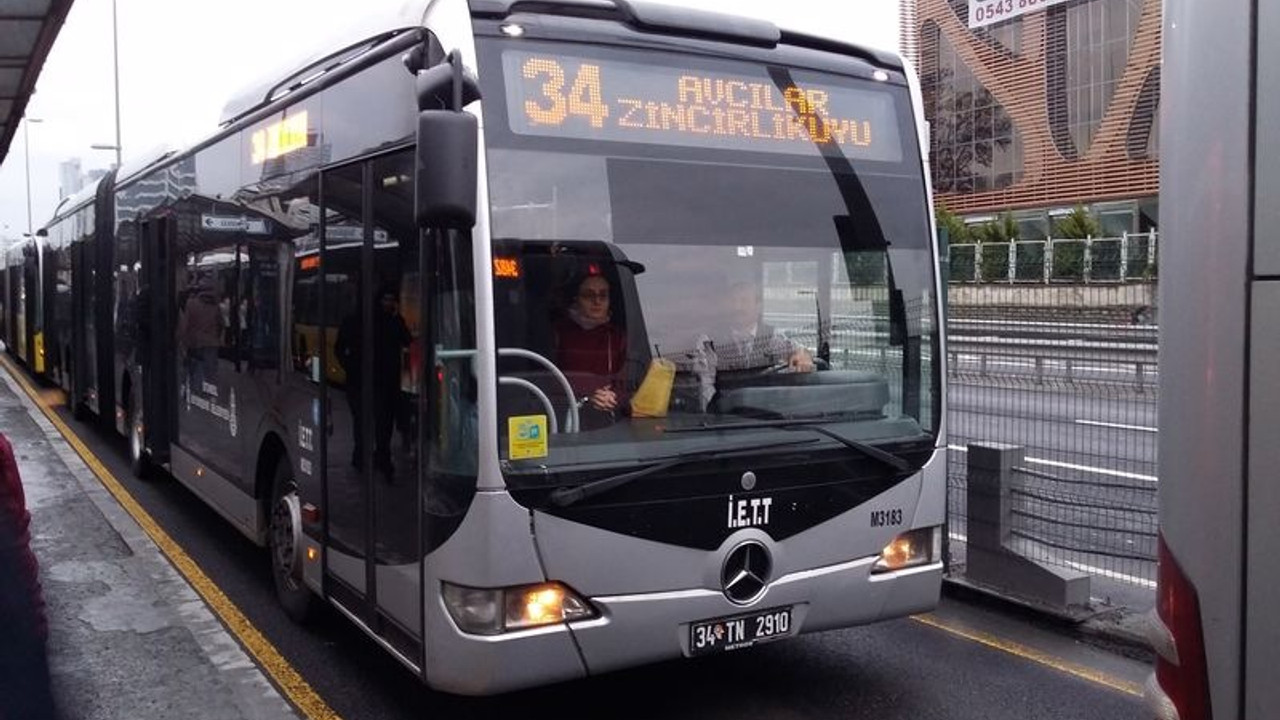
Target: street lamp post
(115, 56)
(115, 61)
(26, 152)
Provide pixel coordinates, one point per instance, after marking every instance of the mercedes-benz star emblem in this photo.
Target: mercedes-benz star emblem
(746, 572)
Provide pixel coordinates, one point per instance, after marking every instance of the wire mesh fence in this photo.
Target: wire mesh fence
(1107, 528)
(1066, 371)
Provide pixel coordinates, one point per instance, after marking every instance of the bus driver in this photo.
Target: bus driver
(751, 342)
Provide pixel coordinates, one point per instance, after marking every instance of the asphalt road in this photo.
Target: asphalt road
(1112, 431)
(902, 669)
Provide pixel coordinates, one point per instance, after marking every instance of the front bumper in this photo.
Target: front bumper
(643, 628)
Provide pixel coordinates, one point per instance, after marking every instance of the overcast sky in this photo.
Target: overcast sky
(181, 60)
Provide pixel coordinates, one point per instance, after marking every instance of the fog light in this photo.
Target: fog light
(482, 611)
(916, 547)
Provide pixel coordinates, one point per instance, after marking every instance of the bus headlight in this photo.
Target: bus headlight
(484, 611)
(915, 547)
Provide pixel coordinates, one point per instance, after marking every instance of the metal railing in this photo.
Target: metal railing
(1043, 352)
(1056, 260)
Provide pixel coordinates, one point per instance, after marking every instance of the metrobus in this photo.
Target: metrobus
(334, 321)
(1214, 628)
(23, 302)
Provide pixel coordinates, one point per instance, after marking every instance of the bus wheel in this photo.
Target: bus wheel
(139, 463)
(78, 411)
(285, 541)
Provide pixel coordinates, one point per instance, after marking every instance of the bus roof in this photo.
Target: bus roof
(378, 31)
(372, 28)
(141, 162)
(69, 205)
(15, 253)
(349, 42)
(652, 17)
(669, 19)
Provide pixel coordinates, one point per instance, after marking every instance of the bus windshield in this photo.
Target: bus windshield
(683, 242)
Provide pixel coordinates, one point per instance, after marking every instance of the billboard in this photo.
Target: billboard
(989, 12)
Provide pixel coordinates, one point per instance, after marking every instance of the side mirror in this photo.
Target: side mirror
(446, 169)
(445, 166)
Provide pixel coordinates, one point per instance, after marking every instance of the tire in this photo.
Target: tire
(139, 461)
(284, 540)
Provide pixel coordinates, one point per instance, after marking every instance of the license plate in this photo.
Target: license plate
(739, 631)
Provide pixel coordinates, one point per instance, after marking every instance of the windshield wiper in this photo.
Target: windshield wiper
(567, 496)
(895, 461)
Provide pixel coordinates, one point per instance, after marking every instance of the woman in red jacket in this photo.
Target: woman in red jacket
(25, 692)
(591, 351)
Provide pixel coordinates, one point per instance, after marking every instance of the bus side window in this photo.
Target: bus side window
(304, 308)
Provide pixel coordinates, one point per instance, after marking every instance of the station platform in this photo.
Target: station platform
(129, 637)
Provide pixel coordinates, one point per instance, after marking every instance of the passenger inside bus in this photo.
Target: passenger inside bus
(200, 332)
(591, 349)
(390, 339)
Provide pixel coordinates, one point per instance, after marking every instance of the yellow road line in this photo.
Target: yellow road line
(1027, 653)
(281, 672)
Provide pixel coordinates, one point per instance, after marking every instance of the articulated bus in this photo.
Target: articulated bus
(48, 293)
(335, 320)
(1214, 628)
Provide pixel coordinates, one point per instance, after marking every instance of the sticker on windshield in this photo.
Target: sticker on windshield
(526, 437)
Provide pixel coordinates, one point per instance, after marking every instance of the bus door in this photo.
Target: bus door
(31, 294)
(51, 358)
(370, 309)
(79, 304)
(153, 308)
(17, 288)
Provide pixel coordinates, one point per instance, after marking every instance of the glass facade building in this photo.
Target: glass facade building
(1039, 113)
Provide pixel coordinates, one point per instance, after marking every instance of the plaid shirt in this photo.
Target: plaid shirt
(764, 348)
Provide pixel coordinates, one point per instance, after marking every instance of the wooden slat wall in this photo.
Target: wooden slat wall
(1106, 171)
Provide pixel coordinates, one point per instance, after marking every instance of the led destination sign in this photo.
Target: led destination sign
(569, 97)
(279, 139)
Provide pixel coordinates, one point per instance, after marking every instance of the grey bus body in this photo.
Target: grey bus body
(1214, 628)
(339, 331)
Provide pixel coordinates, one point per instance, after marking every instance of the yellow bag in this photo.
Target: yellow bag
(654, 393)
